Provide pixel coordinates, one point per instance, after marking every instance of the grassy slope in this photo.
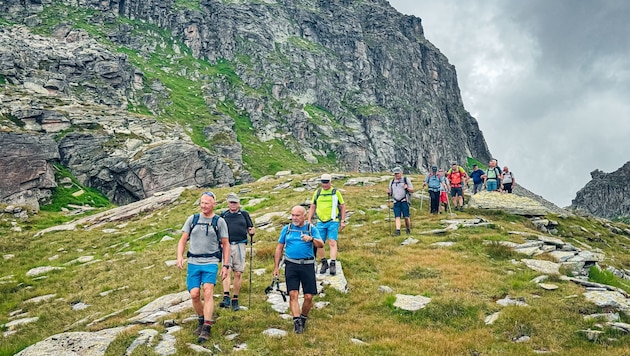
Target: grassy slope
(463, 281)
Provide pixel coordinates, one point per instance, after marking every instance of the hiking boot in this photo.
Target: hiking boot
(408, 231)
(225, 303)
(303, 319)
(324, 267)
(198, 330)
(235, 305)
(298, 326)
(204, 335)
(397, 233)
(333, 267)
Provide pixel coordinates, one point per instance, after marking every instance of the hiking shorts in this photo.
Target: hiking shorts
(401, 208)
(443, 197)
(328, 230)
(237, 257)
(201, 274)
(457, 192)
(305, 274)
(491, 185)
(507, 187)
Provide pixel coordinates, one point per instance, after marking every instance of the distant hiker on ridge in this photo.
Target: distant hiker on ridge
(492, 177)
(508, 181)
(330, 208)
(433, 181)
(457, 178)
(477, 178)
(400, 189)
(206, 231)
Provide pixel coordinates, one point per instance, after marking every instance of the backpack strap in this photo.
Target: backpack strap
(214, 223)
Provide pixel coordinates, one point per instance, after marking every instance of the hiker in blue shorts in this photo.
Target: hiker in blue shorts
(204, 231)
(492, 177)
(400, 189)
(330, 208)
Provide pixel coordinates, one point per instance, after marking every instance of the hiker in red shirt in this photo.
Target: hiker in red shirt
(457, 178)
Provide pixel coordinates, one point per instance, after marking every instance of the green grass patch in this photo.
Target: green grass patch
(598, 275)
(63, 196)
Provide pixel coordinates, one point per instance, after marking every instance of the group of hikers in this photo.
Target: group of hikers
(223, 238)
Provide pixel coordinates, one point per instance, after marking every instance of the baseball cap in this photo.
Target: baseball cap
(232, 197)
(397, 170)
(434, 168)
(326, 177)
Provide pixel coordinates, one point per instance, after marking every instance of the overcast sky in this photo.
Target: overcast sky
(547, 80)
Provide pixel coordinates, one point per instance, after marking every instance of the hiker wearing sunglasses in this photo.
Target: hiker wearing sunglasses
(297, 239)
(330, 208)
(209, 245)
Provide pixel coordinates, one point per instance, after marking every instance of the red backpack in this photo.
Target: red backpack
(456, 179)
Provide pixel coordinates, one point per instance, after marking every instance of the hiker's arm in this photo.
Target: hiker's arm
(276, 259)
(342, 223)
(180, 250)
(318, 243)
(226, 258)
(311, 212)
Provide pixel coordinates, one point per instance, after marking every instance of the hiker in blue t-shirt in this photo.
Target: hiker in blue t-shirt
(477, 178)
(434, 181)
(297, 240)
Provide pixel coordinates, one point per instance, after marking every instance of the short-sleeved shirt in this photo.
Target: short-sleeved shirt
(203, 239)
(476, 176)
(237, 223)
(399, 193)
(294, 246)
(324, 204)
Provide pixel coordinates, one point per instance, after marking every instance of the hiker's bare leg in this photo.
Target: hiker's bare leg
(307, 304)
(333, 249)
(321, 253)
(208, 304)
(407, 223)
(226, 283)
(238, 280)
(398, 223)
(294, 304)
(195, 296)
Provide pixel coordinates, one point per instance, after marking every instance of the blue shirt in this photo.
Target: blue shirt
(294, 247)
(476, 176)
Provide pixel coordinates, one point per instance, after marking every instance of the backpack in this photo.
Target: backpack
(244, 214)
(456, 179)
(434, 182)
(335, 203)
(495, 175)
(215, 221)
(391, 185)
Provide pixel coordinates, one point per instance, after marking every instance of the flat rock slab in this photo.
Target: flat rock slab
(411, 302)
(546, 267)
(74, 343)
(609, 299)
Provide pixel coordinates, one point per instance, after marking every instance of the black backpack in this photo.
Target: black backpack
(391, 186)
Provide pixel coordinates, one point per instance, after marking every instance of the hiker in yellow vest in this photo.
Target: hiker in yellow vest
(330, 208)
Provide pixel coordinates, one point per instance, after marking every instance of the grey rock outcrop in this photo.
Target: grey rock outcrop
(607, 195)
(26, 174)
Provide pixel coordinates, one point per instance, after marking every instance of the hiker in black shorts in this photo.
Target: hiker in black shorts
(297, 240)
(239, 226)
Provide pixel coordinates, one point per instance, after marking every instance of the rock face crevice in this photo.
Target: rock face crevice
(353, 80)
(606, 195)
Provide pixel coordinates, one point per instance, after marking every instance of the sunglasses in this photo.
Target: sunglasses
(325, 181)
(210, 194)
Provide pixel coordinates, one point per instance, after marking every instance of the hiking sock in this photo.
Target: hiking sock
(408, 231)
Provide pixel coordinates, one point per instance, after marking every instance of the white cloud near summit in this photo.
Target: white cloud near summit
(548, 82)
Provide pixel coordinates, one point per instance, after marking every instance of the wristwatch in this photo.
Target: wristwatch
(227, 266)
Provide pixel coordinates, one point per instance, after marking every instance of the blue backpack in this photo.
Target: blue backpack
(434, 182)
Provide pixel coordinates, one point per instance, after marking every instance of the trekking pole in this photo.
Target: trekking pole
(421, 198)
(389, 214)
(448, 201)
(251, 250)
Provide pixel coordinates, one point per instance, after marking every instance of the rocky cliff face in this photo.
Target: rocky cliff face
(606, 195)
(353, 80)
